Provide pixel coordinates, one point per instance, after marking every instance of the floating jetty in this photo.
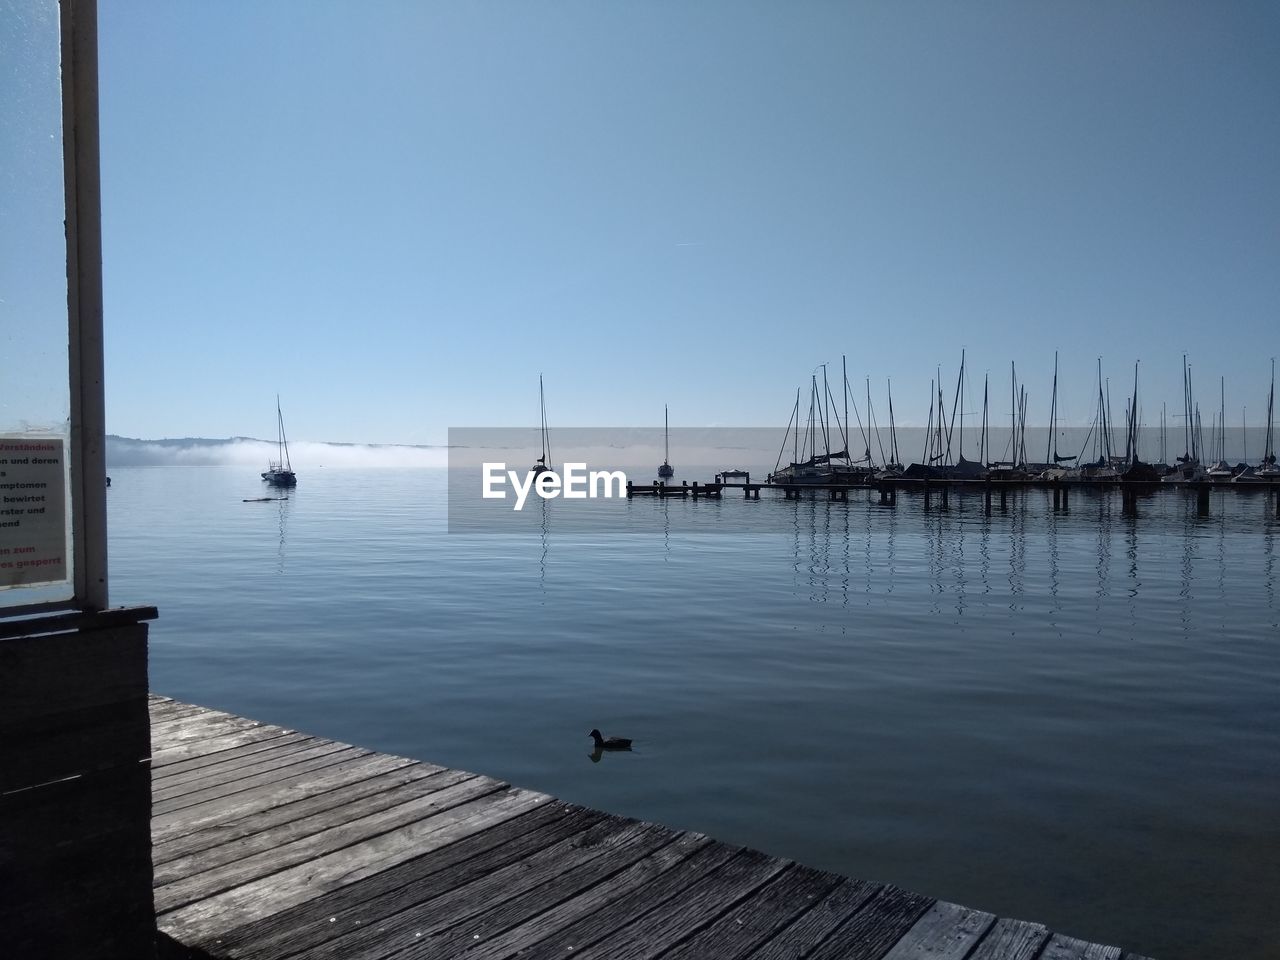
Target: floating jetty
(269, 843)
(935, 491)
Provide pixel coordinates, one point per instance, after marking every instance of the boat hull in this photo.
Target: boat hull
(280, 478)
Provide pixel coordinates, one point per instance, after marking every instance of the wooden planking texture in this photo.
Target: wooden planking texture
(75, 791)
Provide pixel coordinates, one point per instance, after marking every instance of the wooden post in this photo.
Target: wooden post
(945, 490)
(926, 496)
(1004, 500)
(988, 492)
(1066, 491)
(1202, 499)
(1057, 496)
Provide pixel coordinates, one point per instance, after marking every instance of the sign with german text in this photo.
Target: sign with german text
(33, 516)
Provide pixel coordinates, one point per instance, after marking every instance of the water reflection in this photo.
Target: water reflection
(544, 532)
(598, 752)
(283, 507)
(1028, 558)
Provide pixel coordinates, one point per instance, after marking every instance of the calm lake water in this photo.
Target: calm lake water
(1071, 719)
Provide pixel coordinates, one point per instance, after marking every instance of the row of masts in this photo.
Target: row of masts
(821, 440)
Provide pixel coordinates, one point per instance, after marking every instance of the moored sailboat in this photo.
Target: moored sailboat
(279, 472)
(1268, 471)
(666, 470)
(543, 463)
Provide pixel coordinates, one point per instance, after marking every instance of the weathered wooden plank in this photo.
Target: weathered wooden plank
(697, 907)
(292, 771)
(414, 929)
(817, 923)
(1062, 947)
(533, 894)
(234, 755)
(757, 918)
(201, 727)
(164, 754)
(947, 931)
(39, 825)
(387, 892)
(172, 709)
(343, 834)
(199, 922)
(1011, 940)
(596, 924)
(249, 803)
(518, 940)
(42, 676)
(99, 621)
(43, 749)
(224, 831)
(266, 839)
(878, 924)
(206, 778)
(172, 719)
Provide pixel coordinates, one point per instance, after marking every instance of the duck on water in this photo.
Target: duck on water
(610, 743)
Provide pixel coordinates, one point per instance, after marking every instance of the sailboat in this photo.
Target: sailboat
(1220, 469)
(1268, 471)
(1188, 468)
(666, 470)
(543, 464)
(816, 468)
(279, 472)
(893, 468)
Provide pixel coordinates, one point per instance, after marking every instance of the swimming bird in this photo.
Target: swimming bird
(610, 743)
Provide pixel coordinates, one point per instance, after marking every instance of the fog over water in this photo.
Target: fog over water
(247, 451)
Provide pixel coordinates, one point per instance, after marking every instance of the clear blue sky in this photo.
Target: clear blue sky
(396, 214)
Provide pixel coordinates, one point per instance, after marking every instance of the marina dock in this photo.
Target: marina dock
(269, 844)
(937, 492)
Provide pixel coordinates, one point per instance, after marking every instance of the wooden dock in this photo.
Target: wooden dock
(272, 844)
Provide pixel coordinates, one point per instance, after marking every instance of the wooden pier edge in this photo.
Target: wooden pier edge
(269, 843)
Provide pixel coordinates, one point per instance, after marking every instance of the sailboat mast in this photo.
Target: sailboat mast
(1053, 417)
(893, 429)
(826, 433)
(844, 375)
(1269, 452)
(1013, 417)
(546, 439)
(1222, 418)
(985, 453)
(282, 441)
(666, 435)
(871, 425)
(1186, 411)
(795, 440)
